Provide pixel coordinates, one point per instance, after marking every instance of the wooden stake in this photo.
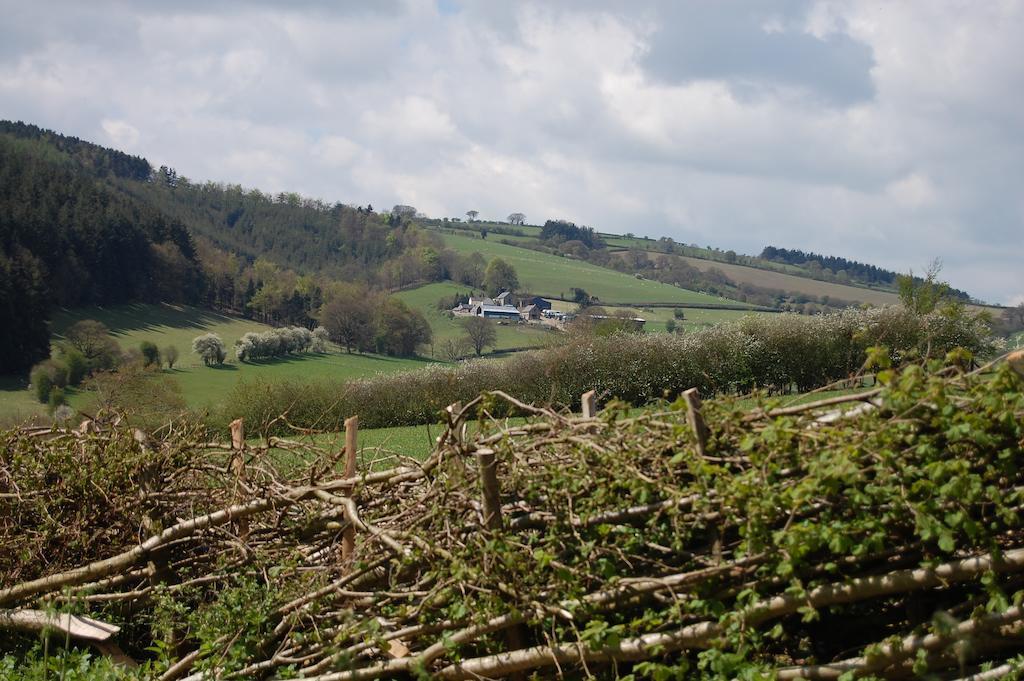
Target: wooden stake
(238, 447)
(491, 490)
(238, 467)
(1016, 362)
(493, 520)
(589, 402)
(696, 420)
(348, 536)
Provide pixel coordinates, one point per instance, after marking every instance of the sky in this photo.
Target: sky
(885, 132)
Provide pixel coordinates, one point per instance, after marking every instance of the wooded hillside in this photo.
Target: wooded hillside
(67, 238)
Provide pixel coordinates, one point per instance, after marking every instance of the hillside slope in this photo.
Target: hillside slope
(554, 276)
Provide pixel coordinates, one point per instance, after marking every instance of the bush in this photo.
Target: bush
(777, 353)
(57, 398)
(273, 343)
(76, 364)
(211, 348)
(149, 400)
(150, 353)
(41, 382)
(320, 339)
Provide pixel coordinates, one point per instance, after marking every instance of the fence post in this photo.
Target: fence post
(589, 402)
(1016, 362)
(348, 536)
(491, 491)
(238, 467)
(514, 637)
(696, 419)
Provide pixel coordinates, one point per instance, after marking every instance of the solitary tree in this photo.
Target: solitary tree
(471, 214)
(455, 348)
(923, 295)
(500, 276)
(93, 340)
(480, 333)
(211, 348)
(401, 329)
(170, 356)
(348, 316)
(517, 219)
(581, 297)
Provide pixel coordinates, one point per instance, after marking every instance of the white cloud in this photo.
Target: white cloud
(888, 133)
(337, 150)
(121, 134)
(912, 190)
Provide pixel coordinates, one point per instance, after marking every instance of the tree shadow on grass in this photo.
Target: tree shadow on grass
(124, 319)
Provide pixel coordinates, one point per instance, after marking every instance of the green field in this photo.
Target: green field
(551, 275)
(790, 278)
(201, 386)
(694, 318)
(381, 447)
(510, 336)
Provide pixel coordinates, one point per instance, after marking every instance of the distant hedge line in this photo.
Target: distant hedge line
(778, 352)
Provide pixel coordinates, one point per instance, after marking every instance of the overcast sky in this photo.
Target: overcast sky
(888, 132)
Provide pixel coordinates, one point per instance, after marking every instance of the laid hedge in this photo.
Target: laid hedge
(778, 353)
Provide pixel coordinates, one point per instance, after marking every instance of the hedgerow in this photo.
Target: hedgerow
(774, 353)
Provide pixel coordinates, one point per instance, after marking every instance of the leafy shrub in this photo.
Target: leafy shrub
(69, 664)
(148, 399)
(319, 340)
(57, 398)
(210, 348)
(77, 365)
(273, 343)
(150, 353)
(41, 382)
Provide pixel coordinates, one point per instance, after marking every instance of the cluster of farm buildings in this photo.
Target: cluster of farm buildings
(502, 307)
(531, 308)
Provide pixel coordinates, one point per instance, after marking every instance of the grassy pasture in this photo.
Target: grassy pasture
(163, 324)
(550, 275)
(741, 274)
(201, 386)
(694, 318)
